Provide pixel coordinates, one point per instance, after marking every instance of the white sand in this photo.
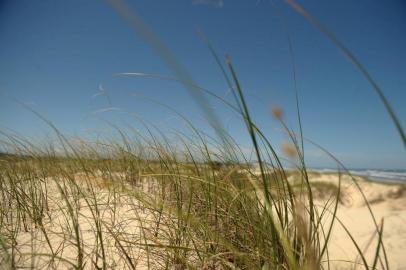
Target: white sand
(128, 222)
(388, 202)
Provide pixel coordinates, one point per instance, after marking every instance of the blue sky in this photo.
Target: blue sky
(55, 54)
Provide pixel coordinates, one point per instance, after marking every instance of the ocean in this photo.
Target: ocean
(388, 176)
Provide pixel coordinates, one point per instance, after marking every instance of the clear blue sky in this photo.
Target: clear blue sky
(55, 53)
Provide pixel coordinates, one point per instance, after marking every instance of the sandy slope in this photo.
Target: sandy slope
(388, 202)
(126, 219)
(131, 221)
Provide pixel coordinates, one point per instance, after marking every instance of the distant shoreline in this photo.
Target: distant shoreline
(374, 175)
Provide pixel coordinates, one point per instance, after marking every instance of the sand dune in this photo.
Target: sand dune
(131, 219)
(388, 203)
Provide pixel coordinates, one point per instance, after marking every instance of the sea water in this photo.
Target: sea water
(381, 175)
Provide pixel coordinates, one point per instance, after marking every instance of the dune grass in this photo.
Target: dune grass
(152, 204)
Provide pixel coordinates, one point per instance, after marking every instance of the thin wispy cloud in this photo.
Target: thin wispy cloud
(212, 3)
(103, 92)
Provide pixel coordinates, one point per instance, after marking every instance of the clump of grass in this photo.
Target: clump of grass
(160, 206)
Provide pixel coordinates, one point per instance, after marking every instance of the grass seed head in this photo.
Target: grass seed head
(277, 112)
(289, 149)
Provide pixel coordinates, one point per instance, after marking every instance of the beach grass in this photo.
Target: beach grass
(156, 205)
